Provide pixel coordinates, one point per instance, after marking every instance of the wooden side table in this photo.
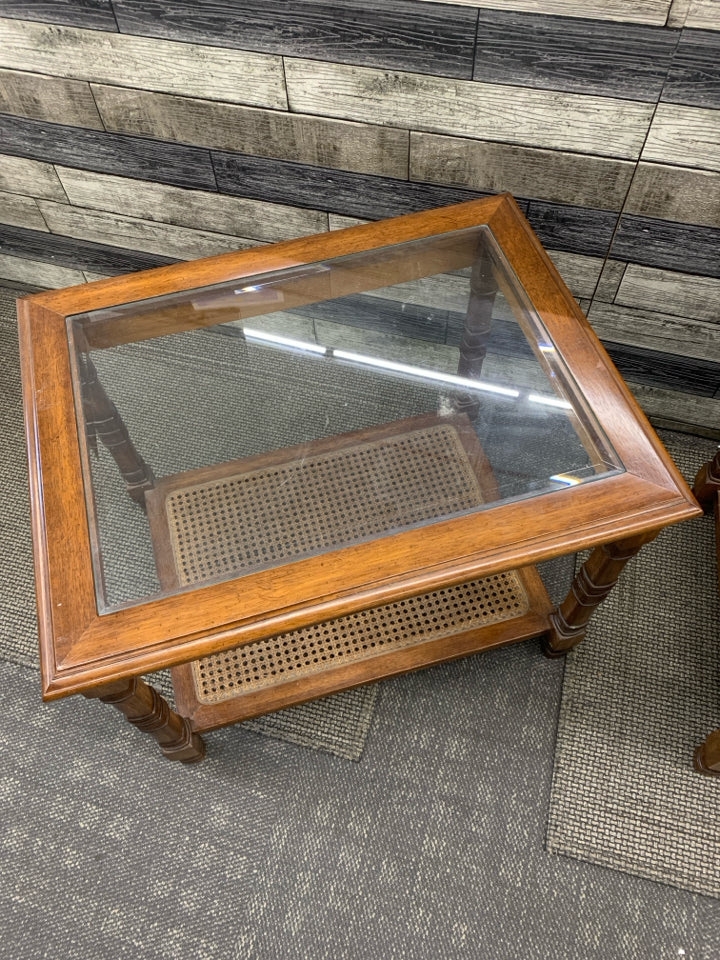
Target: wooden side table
(290, 470)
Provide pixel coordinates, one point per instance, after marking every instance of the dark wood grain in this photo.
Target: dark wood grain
(682, 247)
(574, 229)
(80, 254)
(93, 14)
(337, 191)
(694, 77)
(397, 34)
(667, 370)
(126, 156)
(601, 58)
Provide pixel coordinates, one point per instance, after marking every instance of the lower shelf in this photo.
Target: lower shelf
(384, 641)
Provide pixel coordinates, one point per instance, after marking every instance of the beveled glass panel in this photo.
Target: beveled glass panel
(295, 413)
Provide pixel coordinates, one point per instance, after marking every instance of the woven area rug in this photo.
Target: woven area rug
(639, 694)
(337, 724)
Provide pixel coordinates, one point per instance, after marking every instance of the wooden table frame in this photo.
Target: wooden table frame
(103, 655)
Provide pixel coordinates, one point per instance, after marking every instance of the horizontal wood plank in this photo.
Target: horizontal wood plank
(703, 15)
(665, 291)
(167, 240)
(678, 12)
(539, 118)
(610, 279)
(676, 410)
(625, 11)
(491, 167)
(675, 193)
(107, 152)
(186, 68)
(264, 133)
(694, 77)
(656, 331)
(38, 273)
(666, 370)
(346, 193)
(396, 34)
(683, 247)
(235, 216)
(558, 53)
(572, 229)
(93, 14)
(41, 97)
(686, 136)
(74, 253)
(30, 177)
(20, 211)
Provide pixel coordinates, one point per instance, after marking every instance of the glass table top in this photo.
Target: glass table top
(294, 413)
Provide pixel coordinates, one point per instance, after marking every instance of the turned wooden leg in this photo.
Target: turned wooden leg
(707, 483)
(707, 755)
(594, 581)
(103, 421)
(476, 331)
(148, 711)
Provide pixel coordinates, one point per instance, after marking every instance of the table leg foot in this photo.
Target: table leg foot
(147, 710)
(707, 755)
(594, 581)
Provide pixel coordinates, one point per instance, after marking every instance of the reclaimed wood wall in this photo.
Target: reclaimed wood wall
(138, 132)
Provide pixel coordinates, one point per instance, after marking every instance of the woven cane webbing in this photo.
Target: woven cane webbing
(299, 653)
(270, 515)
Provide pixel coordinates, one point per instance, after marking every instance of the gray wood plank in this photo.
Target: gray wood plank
(30, 177)
(675, 193)
(485, 111)
(694, 77)
(656, 331)
(394, 34)
(678, 13)
(265, 133)
(664, 291)
(703, 15)
(74, 253)
(580, 273)
(48, 98)
(686, 136)
(676, 410)
(38, 273)
(94, 14)
(349, 194)
(168, 240)
(602, 58)
(573, 229)
(20, 211)
(234, 216)
(682, 247)
(186, 68)
(610, 280)
(107, 152)
(625, 11)
(523, 171)
(666, 370)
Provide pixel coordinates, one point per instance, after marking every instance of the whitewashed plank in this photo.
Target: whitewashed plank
(677, 13)
(338, 222)
(703, 15)
(667, 292)
(32, 178)
(686, 136)
(539, 118)
(39, 97)
(91, 277)
(129, 232)
(37, 273)
(216, 73)
(19, 211)
(234, 216)
(629, 11)
(523, 171)
(656, 331)
(580, 273)
(340, 144)
(610, 279)
(675, 193)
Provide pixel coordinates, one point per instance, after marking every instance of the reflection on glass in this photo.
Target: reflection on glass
(242, 426)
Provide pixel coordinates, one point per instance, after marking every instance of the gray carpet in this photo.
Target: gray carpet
(639, 694)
